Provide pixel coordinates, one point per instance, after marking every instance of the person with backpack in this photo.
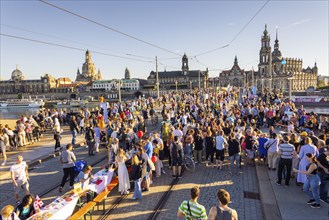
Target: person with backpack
(90, 139)
(191, 209)
(177, 154)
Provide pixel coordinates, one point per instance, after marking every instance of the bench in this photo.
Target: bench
(86, 209)
(100, 198)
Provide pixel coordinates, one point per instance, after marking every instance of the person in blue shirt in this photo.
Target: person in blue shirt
(148, 146)
(262, 152)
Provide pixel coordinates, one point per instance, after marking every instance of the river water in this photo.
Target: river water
(18, 112)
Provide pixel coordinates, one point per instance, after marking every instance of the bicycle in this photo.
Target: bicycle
(189, 163)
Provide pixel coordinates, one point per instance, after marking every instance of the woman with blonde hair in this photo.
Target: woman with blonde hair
(307, 148)
(7, 213)
(136, 174)
(124, 184)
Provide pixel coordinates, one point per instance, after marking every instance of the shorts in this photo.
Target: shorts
(251, 153)
(220, 155)
(177, 161)
(20, 184)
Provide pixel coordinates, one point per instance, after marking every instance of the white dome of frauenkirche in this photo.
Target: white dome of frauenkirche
(17, 75)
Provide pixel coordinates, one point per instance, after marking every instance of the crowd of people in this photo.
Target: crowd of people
(264, 130)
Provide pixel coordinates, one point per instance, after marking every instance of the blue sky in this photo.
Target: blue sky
(193, 27)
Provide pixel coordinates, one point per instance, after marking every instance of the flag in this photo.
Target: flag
(37, 203)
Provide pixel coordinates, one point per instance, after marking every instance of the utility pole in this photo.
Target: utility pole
(119, 88)
(157, 76)
(270, 70)
(252, 77)
(199, 81)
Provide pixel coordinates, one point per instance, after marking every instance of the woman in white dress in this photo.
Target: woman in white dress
(124, 184)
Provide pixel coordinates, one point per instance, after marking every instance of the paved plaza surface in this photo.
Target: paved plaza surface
(290, 201)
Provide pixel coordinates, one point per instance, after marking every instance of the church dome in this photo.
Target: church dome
(17, 75)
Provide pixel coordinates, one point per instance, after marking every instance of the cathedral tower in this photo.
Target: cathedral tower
(265, 54)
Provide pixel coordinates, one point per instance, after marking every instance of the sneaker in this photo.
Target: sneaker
(311, 201)
(316, 206)
(277, 183)
(164, 172)
(133, 198)
(4, 163)
(173, 176)
(179, 176)
(127, 192)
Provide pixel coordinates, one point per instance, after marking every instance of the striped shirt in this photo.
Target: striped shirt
(286, 150)
(196, 210)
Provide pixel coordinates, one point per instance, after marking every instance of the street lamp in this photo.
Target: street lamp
(191, 85)
(176, 85)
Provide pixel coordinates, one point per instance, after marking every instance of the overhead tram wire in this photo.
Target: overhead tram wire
(109, 28)
(73, 48)
(236, 36)
(71, 41)
(68, 40)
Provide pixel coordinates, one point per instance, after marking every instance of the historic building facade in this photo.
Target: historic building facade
(183, 79)
(112, 85)
(234, 77)
(88, 73)
(18, 84)
(278, 72)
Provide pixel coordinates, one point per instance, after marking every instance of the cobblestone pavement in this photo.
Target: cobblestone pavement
(44, 176)
(210, 180)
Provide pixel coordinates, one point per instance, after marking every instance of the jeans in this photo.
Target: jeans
(197, 155)
(74, 137)
(68, 172)
(138, 189)
(58, 142)
(90, 147)
(284, 163)
(188, 150)
(313, 182)
(323, 186)
(236, 158)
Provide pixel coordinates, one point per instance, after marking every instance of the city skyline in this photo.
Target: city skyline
(302, 33)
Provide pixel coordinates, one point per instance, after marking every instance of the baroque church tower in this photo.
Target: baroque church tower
(265, 55)
(88, 70)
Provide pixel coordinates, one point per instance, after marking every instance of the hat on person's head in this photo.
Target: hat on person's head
(304, 133)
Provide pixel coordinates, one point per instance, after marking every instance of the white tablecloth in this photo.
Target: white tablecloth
(62, 207)
(59, 209)
(106, 178)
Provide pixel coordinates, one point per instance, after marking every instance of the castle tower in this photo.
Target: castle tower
(185, 65)
(276, 53)
(127, 73)
(264, 54)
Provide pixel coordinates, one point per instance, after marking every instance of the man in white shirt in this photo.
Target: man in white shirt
(221, 143)
(20, 177)
(178, 132)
